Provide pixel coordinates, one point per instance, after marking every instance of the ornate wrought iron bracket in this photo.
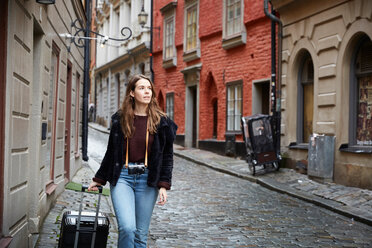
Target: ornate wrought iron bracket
(78, 37)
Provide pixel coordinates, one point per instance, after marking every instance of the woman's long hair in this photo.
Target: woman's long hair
(154, 113)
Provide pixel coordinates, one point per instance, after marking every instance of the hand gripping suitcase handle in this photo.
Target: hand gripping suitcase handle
(84, 188)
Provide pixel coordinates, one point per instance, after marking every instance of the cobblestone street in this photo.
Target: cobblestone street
(211, 209)
(207, 208)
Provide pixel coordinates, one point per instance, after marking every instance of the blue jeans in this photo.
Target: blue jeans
(133, 203)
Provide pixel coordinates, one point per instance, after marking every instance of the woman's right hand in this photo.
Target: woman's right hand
(93, 186)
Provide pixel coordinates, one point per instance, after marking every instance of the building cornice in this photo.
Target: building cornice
(168, 7)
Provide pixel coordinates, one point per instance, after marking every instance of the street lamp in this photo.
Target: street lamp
(142, 17)
(142, 20)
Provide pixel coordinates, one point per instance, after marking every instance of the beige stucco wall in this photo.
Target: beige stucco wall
(328, 30)
(32, 29)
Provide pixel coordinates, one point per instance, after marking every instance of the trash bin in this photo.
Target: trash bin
(321, 157)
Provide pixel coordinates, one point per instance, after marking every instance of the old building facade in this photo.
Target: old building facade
(327, 82)
(41, 92)
(117, 61)
(212, 66)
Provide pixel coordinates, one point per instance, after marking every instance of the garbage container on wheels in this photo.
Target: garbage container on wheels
(259, 143)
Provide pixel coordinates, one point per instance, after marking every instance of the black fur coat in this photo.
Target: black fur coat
(160, 158)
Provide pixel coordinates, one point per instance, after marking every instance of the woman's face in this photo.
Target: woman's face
(142, 92)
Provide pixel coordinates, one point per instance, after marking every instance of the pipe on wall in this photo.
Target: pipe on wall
(86, 87)
(275, 78)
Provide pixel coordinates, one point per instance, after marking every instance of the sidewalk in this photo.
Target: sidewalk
(351, 202)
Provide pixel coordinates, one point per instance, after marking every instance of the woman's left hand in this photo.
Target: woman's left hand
(162, 196)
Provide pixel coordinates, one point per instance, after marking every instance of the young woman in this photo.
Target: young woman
(138, 162)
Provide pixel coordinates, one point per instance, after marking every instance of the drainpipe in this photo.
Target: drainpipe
(151, 34)
(86, 84)
(275, 79)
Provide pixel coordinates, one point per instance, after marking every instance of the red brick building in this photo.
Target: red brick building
(211, 61)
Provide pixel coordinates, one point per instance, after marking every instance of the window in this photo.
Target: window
(361, 98)
(233, 20)
(169, 48)
(234, 106)
(191, 40)
(234, 33)
(170, 105)
(169, 38)
(305, 100)
(191, 28)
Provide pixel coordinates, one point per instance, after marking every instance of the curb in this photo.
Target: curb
(98, 129)
(278, 187)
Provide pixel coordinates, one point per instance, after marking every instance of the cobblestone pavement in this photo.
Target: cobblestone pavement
(352, 202)
(70, 200)
(207, 208)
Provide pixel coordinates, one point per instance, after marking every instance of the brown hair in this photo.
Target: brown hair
(154, 112)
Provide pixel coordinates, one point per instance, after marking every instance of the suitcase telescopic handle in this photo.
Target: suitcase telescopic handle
(84, 188)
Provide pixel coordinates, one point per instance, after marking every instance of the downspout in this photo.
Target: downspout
(86, 84)
(151, 34)
(275, 78)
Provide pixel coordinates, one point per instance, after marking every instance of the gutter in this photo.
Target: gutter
(275, 78)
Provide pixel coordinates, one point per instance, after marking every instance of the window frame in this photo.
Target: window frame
(169, 61)
(168, 36)
(353, 97)
(193, 53)
(234, 84)
(234, 39)
(300, 99)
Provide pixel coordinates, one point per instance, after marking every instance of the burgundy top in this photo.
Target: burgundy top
(137, 144)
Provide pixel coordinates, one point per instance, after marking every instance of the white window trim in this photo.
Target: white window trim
(234, 84)
(237, 39)
(170, 61)
(189, 55)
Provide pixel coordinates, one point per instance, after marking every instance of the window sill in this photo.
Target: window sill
(50, 188)
(234, 41)
(300, 146)
(355, 149)
(191, 55)
(5, 241)
(170, 62)
(233, 132)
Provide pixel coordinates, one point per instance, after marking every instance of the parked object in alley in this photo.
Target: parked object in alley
(321, 157)
(259, 142)
(84, 229)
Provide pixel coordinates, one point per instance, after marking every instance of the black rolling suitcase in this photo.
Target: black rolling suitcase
(84, 229)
